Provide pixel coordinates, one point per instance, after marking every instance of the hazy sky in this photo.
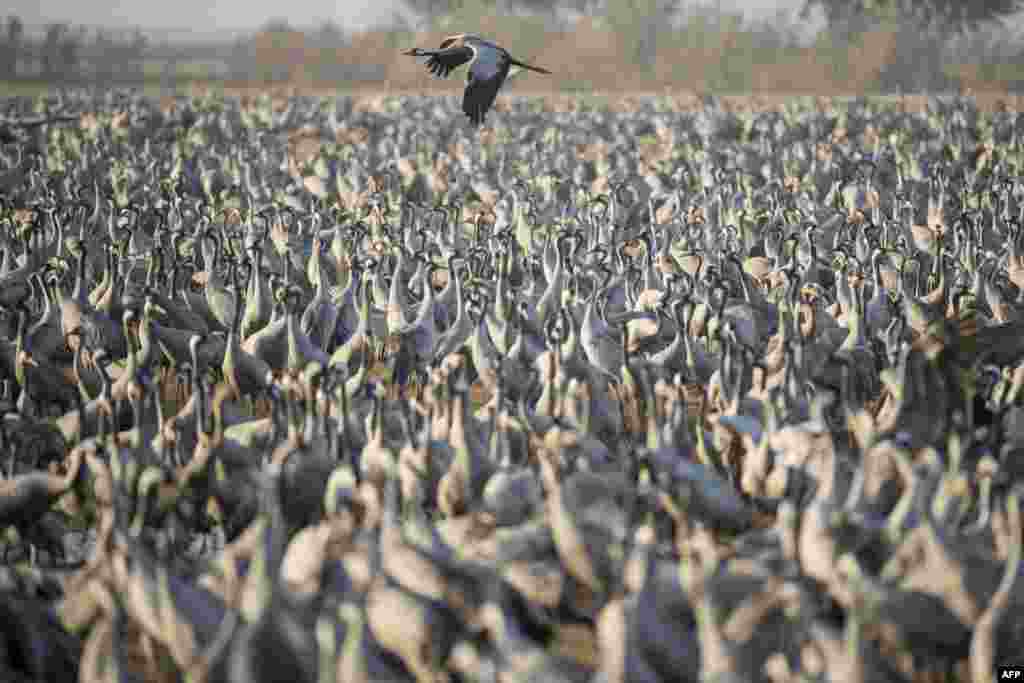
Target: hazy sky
(206, 16)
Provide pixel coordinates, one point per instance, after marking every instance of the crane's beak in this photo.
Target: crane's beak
(412, 52)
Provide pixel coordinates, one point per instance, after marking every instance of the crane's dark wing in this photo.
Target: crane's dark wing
(442, 62)
(485, 77)
(479, 97)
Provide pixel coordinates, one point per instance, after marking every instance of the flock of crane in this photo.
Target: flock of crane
(324, 390)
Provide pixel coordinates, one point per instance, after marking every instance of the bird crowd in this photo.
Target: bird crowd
(319, 390)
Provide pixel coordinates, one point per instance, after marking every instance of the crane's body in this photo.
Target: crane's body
(489, 65)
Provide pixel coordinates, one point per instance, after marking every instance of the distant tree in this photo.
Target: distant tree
(641, 25)
(15, 29)
(280, 51)
(324, 61)
(68, 53)
(276, 25)
(137, 52)
(105, 61)
(243, 59)
(433, 9)
(330, 34)
(949, 16)
(924, 31)
(51, 50)
(11, 48)
(538, 6)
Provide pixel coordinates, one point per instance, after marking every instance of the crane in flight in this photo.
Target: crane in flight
(489, 65)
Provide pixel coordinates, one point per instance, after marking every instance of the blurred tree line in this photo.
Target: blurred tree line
(58, 55)
(916, 39)
(279, 52)
(14, 32)
(924, 35)
(865, 46)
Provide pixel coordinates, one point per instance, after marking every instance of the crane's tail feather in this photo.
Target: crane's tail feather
(523, 65)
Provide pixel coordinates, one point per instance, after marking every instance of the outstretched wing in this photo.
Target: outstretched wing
(482, 84)
(478, 98)
(442, 62)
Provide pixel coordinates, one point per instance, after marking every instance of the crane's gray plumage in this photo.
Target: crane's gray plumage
(489, 65)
